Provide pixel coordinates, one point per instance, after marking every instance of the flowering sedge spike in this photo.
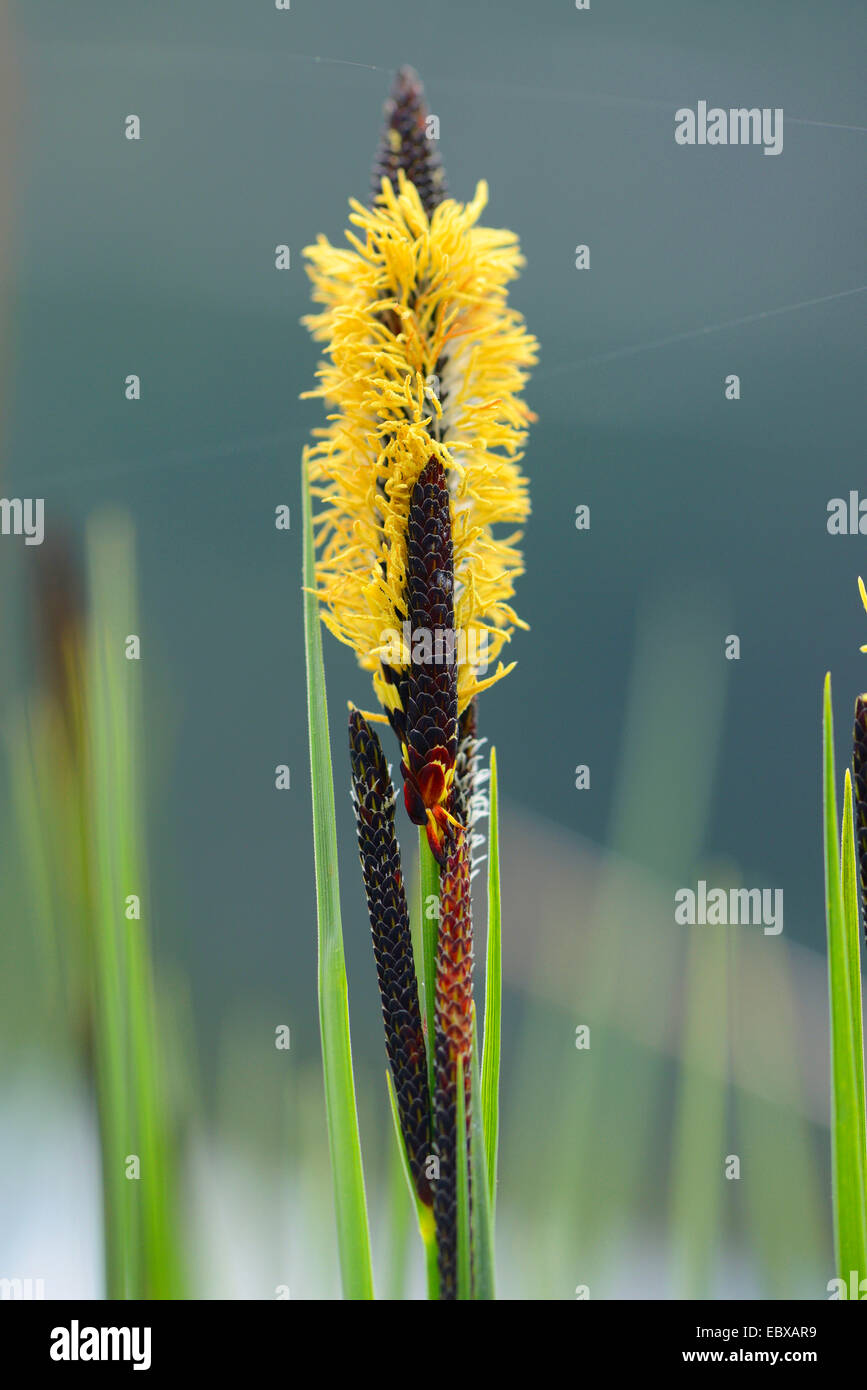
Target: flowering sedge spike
(859, 771)
(373, 798)
(425, 360)
(420, 491)
(430, 691)
(405, 144)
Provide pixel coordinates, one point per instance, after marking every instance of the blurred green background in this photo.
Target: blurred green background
(708, 517)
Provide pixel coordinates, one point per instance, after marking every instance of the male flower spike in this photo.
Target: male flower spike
(425, 362)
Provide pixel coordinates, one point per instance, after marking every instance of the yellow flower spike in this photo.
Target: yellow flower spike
(424, 358)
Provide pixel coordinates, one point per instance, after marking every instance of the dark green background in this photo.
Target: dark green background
(157, 258)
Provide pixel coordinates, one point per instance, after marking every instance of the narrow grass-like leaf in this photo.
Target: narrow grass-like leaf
(143, 1260)
(490, 1109)
(481, 1215)
(353, 1236)
(464, 1260)
(424, 1214)
(847, 1157)
(399, 1139)
(113, 1104)
(400, 1214)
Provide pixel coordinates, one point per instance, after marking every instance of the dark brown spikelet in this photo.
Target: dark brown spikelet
(406, 145)
(373, 798)
(859, 770)
(453, 1039)
(430, 694)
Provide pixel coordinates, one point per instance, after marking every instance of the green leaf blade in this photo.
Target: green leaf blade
(847, 1098)
(850, 886)
(353, 1235)
(424, 1214)
(463, 1190)
(484, 1286)
(143, 1258)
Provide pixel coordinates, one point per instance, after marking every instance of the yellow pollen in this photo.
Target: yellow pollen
(424, 357)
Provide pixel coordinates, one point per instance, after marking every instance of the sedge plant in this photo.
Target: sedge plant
(407, 491)
(843, 888)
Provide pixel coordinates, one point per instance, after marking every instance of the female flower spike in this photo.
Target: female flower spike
(373, 800)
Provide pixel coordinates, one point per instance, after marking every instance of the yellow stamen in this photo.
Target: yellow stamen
(420, 342)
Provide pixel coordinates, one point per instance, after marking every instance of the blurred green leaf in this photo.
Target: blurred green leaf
(353, 1236)
(142, 1255)
(481, 1214)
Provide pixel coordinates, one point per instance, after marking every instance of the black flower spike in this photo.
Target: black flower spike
(859, 769)
(453, 1039)
(431, 690)
(406, 145)
(373, 798)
